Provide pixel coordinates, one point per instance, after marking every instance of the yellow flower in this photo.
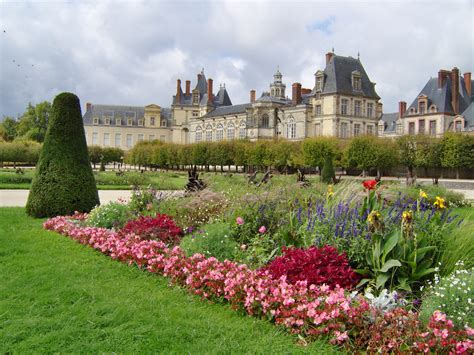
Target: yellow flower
(407, 216)
(374, 217)
(423, 194)
(439, 203)
(330, 191)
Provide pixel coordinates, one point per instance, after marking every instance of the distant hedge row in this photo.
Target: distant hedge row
(365, 152)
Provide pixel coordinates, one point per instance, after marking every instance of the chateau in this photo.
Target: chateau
(342, 103)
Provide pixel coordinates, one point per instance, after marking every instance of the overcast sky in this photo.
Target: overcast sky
(132, 52)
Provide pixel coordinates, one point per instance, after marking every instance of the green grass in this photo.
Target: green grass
(59, 296)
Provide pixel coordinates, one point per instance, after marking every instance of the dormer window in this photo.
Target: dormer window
(196, 98)
(140, 122)
(152, 121)
(96, 120)
(412, 111)
(163, 123)
(118, 122)
(129, 122)
(356, 81)
(107, 121)
(422, 104)
(433, 108)
(319, 81)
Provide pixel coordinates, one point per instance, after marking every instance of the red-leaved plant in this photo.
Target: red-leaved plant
(314, 265)
(162, 228)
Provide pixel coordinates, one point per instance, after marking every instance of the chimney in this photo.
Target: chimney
(443, 75)
(329, 55)
(178, 90)
(467, 83)
(89, 105)
(210, 96)
(188, 87)
(252, 96)
(402, 108)
(305, 91)
(455, 90)
(296, 94)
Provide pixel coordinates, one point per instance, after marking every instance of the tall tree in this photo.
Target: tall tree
(9, 128)
(34, 122)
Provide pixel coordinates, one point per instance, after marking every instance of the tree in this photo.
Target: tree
(428, 153)
(316, 150)
(407, 153)
(457, 151)
(63, 181)
(386, 155)
(34, 122)
(361, 153)
(9, 128)
(327, 174)
(95, 153)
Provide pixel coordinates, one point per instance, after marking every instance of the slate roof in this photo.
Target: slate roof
(468, 115)
(441, 97)
(338, 77)
(228, 110)
(118, 111)
(390, 122)
(272, 99)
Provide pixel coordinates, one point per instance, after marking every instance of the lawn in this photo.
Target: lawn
(59, 296)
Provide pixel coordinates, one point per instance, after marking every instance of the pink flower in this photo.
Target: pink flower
(340, 337)
(469, 331)
(439, 316)
(243, 247)
(262, 229)
(239, 221)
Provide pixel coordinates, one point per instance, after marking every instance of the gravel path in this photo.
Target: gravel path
(17, 198)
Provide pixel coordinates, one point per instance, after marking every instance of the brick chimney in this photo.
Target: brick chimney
(467, 82)
(296, 94)
(402, 108)
(210, 96)
(329, 55)
(89, 105)
(455, 90)
(188, 87)
(178, 90)
(305, 91)
(443, 76)
(252, 96)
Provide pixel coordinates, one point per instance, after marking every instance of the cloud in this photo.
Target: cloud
(132, 52)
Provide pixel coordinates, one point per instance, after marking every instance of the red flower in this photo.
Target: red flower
(370, 184)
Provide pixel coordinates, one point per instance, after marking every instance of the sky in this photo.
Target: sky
(132, 52)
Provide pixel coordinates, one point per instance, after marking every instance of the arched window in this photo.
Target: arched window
(219, 132)
(209, 133)
(291, 128)
(277, 92)
(230, 131)
(198, 137)
(265, 120)
(242, 130)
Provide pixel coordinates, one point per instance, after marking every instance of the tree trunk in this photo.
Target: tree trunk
(457, 173)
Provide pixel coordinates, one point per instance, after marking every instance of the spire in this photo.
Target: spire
(358, 56)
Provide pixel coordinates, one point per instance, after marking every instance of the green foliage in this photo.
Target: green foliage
(95, 153)
(316, 150)
(451, 295)
(362, 152)
(9, 128)
(111, 215)
(144, 201)
(34, 122)
(327, 174)
(63, 181)
(211, 240)
(20, 152)
(457, 151)
(428, 152)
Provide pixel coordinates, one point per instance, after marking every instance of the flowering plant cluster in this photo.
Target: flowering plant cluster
(161, 227)
(314, 265)
(303, 309)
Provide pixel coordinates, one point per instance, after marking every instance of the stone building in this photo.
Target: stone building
(343, 103)
(445, 104)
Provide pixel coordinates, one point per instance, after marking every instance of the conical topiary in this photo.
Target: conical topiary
(327, 174)
(63, 181)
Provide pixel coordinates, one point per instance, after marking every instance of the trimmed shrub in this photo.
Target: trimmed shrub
(317, 266)
(161, 227)
(213, 240)
(63, 181)
(327, 174)
(111, 215)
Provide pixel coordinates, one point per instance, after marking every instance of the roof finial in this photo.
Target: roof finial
(358, 55)
(202, 71)
(333, 49)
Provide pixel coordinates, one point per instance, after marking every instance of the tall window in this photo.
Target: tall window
(195, 98)
(106, 139)
(129, 141)
(356, 82)
(209, 133)
(356, 129)
(242, 130)
(96, 121)
(140, 122)
(370, 130)
(421, 127)
(291, 129)
(344, 103)
(163, 123)
(95, 138)
(265, 121)
(129, 122)
(411, 128)
(458, 126)
(230, 131)
(344, 129)
(140, 137)
(399, 128)
(422, 107)
(107, 121)
(319, 83)
(118, 122)
(357, 111)
(151, 137)
(118, 139)
(381, 129)
(318, 110)
(163, 138)
(198, 134)
(432, 128)
(219, 132)
(152, 121)
(317, 129)
(370, 109)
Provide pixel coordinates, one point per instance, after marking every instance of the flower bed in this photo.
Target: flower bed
(348, 320)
